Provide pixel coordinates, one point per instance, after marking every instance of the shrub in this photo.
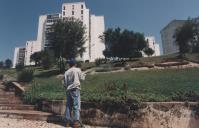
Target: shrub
(140, 65)
(19, 67)
(171, 64)
(1, 76)
(107, 69)
(25, 76)
(100, 61)
(87, 61)
(79, 64)
(120, 64)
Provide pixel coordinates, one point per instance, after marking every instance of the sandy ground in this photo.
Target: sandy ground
(19, 123)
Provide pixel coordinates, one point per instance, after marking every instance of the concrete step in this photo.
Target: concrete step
(9, 98)
(7, 94)
(11, 102)
(16, 107)
(30, 115)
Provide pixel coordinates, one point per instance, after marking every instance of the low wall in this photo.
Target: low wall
(130, 115)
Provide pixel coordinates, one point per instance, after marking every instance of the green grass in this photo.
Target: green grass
(152, 85)
(44, 88)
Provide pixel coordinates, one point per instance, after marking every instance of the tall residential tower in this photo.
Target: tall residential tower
(94, 28)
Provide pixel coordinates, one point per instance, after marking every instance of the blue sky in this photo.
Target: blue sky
(19, 18)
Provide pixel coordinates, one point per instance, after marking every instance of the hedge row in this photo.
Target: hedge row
(171, 64)
(107, 69)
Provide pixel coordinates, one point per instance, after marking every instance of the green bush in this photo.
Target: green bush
(120, 64)
(19, 67)
(100, 61)
(107, 69)
(141, 64)
(25, 76)
(1, 76)
(171, 64)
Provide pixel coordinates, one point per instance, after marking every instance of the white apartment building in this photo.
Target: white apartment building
(94, 28)
(19, 55)
(31, 47)
(153, 45)
(167, 34)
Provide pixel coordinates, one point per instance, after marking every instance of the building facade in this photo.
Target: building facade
(31, 48)
(167, 34)
(153, 45)
(94, 28)
(19, 56)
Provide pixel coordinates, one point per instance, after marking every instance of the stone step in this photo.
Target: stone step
(30, 115)
(7, 94)
(16, 107)
(11, 102)
(9, 98)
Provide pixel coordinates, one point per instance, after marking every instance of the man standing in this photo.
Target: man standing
(72, 79)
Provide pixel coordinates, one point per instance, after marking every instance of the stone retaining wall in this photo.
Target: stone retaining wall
(130, 115)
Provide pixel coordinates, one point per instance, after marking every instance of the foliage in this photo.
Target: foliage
(149, 51)
(19, 67)
(172, 64)
(43, 58)
(47, 59)
(25, 76)
(1, 76)
(123, 44)
(67, 38)
(8, 63)
(1, 64)
(36, 57)
(100, 61)
(187, 37)
(45, 88)
(107, 69)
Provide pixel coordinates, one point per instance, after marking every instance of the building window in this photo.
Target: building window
(64, 8)
(82, 18)
(82, 6)
(63, 13)
(72, 12)
(82, 12)
(73, 6)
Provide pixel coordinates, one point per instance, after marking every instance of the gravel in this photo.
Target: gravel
(21, 123)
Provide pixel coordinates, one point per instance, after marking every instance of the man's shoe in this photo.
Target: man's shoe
(67, 125)
(76, 124)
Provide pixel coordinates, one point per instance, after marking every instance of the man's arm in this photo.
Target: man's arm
(65, 80)
(82, 75)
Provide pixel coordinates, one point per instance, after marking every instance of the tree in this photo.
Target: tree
(67, 39)
(1, 64)
(8, 63)
(149, 51)
(47, 59)
(123, 44)
(36, 57)
(187, 37)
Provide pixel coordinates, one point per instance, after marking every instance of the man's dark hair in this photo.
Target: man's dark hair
(72, 63)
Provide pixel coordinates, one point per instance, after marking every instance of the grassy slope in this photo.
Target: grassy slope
(152, 85)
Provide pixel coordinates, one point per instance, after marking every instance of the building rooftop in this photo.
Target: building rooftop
(173, 21)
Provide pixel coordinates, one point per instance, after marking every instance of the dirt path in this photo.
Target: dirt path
(21, 123)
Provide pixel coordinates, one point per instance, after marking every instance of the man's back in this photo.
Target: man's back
(72, 78)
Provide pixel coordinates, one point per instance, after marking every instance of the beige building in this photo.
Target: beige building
(167, 34)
